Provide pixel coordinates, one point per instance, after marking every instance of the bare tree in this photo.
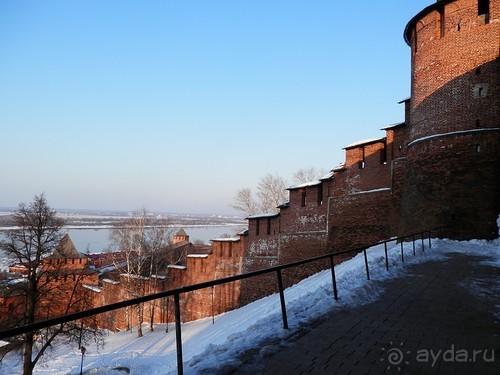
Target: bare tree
(36, 235)
(159, 250)
(307, 175)
(244, 202)
(271, 192)
(142, 241)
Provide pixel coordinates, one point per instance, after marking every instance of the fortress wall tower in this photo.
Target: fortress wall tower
(453, 166)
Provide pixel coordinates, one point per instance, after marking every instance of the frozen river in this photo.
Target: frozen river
(97, 240)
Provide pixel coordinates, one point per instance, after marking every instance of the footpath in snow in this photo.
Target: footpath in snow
(257, 325)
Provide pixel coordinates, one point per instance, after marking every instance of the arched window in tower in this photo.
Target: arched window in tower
(483, 11)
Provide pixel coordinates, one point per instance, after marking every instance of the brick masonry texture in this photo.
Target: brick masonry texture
(441, 166)
(438, 167)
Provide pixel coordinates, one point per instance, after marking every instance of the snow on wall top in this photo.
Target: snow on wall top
(92, 288)
(364, 142)
(226, 239)
(306, 184)
(176, 267)
(329, 175)
(259, 216)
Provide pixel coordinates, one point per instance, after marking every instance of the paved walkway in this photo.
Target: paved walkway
(439, 319)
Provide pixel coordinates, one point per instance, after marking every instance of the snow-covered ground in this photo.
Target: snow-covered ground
(257, 325)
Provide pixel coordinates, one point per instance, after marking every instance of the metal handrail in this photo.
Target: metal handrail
(10, 332)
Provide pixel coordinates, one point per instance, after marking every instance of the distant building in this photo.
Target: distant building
(64, 278)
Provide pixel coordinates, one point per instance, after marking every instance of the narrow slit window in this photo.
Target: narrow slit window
(483, 11)
(383, 155)
(477, 148)
(483, 7)
(268, 226)
(257, 227)
(303, 198)
(320, 194)
(441, 23)
(362, 162)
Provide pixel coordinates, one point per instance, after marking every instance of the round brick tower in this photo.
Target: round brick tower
(452, 173)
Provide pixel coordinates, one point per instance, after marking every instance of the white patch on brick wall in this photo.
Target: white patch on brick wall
(312, 219)
(263, 248)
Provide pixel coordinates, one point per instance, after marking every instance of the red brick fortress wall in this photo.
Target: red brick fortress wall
(453, 172)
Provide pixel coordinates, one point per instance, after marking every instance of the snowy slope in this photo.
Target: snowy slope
(257, 325)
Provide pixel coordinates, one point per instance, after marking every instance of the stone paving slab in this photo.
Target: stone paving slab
(437, 319)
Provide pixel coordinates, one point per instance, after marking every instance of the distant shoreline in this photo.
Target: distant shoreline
(106, 220)
(99, 227)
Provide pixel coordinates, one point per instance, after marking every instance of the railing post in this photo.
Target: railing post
(366, 265)
(282, 299)
(413, 240)
(213, 313)
(430, 240)
(168, 316)
(423, 245)
(178, 338)
(334, 280)
(386, 257)
(402, 252)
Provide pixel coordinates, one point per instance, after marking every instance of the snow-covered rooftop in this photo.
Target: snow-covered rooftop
(92, 288)
(364, 142)
(159, 277)
(339, 167)
(392, 126)
(264, 215)
(327, 176)
(175, 266)
(226, 239)
(305, 184)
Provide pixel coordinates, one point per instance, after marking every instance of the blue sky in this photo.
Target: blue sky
(174, 105)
